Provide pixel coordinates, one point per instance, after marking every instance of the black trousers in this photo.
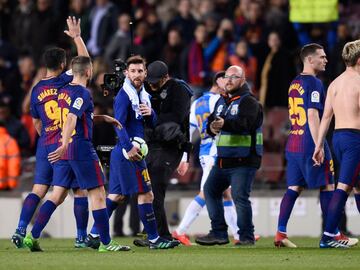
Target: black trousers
(134, 217)
(162, 163)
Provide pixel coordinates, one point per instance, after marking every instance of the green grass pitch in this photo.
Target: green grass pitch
(59, 254)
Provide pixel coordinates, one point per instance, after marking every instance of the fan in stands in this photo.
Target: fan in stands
(139, 143)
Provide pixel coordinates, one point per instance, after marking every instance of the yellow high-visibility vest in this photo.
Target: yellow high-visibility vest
(314, 11)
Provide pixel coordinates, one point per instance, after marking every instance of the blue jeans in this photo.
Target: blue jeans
(240, 179)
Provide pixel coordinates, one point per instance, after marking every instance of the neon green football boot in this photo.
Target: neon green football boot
(32, 243)
(113, 246)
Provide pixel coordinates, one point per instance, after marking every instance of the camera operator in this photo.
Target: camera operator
(168, 141)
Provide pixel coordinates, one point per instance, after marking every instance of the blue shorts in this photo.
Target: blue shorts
(126, 177)
(88, 173)
(302, 172)
(43, 168)
(346, 144)
(64, 175)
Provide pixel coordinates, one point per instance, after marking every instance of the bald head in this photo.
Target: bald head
(235, 78)
(236, 69)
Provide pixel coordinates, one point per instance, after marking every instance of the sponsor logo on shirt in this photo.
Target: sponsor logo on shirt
(78, 103)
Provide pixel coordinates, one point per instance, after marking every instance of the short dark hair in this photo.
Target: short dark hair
(54, 57)
(309, 49)
(80, 64)
(135, 59)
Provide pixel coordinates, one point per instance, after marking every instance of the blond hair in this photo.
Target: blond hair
(351, 53)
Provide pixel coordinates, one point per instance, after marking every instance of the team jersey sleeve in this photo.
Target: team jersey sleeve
(193, 122)
(33, 110)
(80, 101)
(212, 102)
(121, 110)
(316, 95)
(67, 76)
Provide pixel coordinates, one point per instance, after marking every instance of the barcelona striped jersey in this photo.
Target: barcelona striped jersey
(44, 106)
(305, 92)
(76, 99)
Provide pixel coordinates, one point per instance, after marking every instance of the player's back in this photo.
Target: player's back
(200, 111)
(345, 100)
(44, 106)
(305, 92)
(76, 99)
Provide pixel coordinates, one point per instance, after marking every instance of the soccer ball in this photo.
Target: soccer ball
(139, 143)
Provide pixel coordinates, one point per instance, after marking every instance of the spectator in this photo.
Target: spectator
(14, 127)
(27, 71)
(277, 20)
(172, 52)
(211, 22)
(10, 160)
(144, 42)
(103, 25)
(337, 65)
(80, 10)
(184, 20)
(221, 46)
(193, 69)
(244, 59)
(276, 74)
(120, 43)
(203, 8)
(43, 28)
(21, 25)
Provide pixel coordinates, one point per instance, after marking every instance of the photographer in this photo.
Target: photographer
(168, 140)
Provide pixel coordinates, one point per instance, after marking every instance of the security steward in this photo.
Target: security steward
(170, 99)
(237, 121)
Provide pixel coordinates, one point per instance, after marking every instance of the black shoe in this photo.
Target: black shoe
(210, 240)
(163, 243)
(92, 242)
(141, 242)
(245, 243)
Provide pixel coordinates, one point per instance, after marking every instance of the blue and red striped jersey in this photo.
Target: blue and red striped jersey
(44, 106)
(76, 99)
(305, 92)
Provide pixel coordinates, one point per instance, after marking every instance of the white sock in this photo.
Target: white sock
(191, 213)
(231, 218)
(154, 240)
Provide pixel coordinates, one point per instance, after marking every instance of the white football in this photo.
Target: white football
(139, 143)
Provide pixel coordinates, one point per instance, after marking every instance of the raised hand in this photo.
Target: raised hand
(73, 27)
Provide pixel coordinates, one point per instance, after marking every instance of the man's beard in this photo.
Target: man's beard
(137, 81)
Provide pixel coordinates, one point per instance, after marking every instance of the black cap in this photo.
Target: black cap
(218, 75)
(155, 71)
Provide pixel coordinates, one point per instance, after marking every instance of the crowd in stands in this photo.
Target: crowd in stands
(196, 38)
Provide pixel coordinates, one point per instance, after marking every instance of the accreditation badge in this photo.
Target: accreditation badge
(234, 109)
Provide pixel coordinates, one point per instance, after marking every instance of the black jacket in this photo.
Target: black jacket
(249, 118)
(171, 103)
